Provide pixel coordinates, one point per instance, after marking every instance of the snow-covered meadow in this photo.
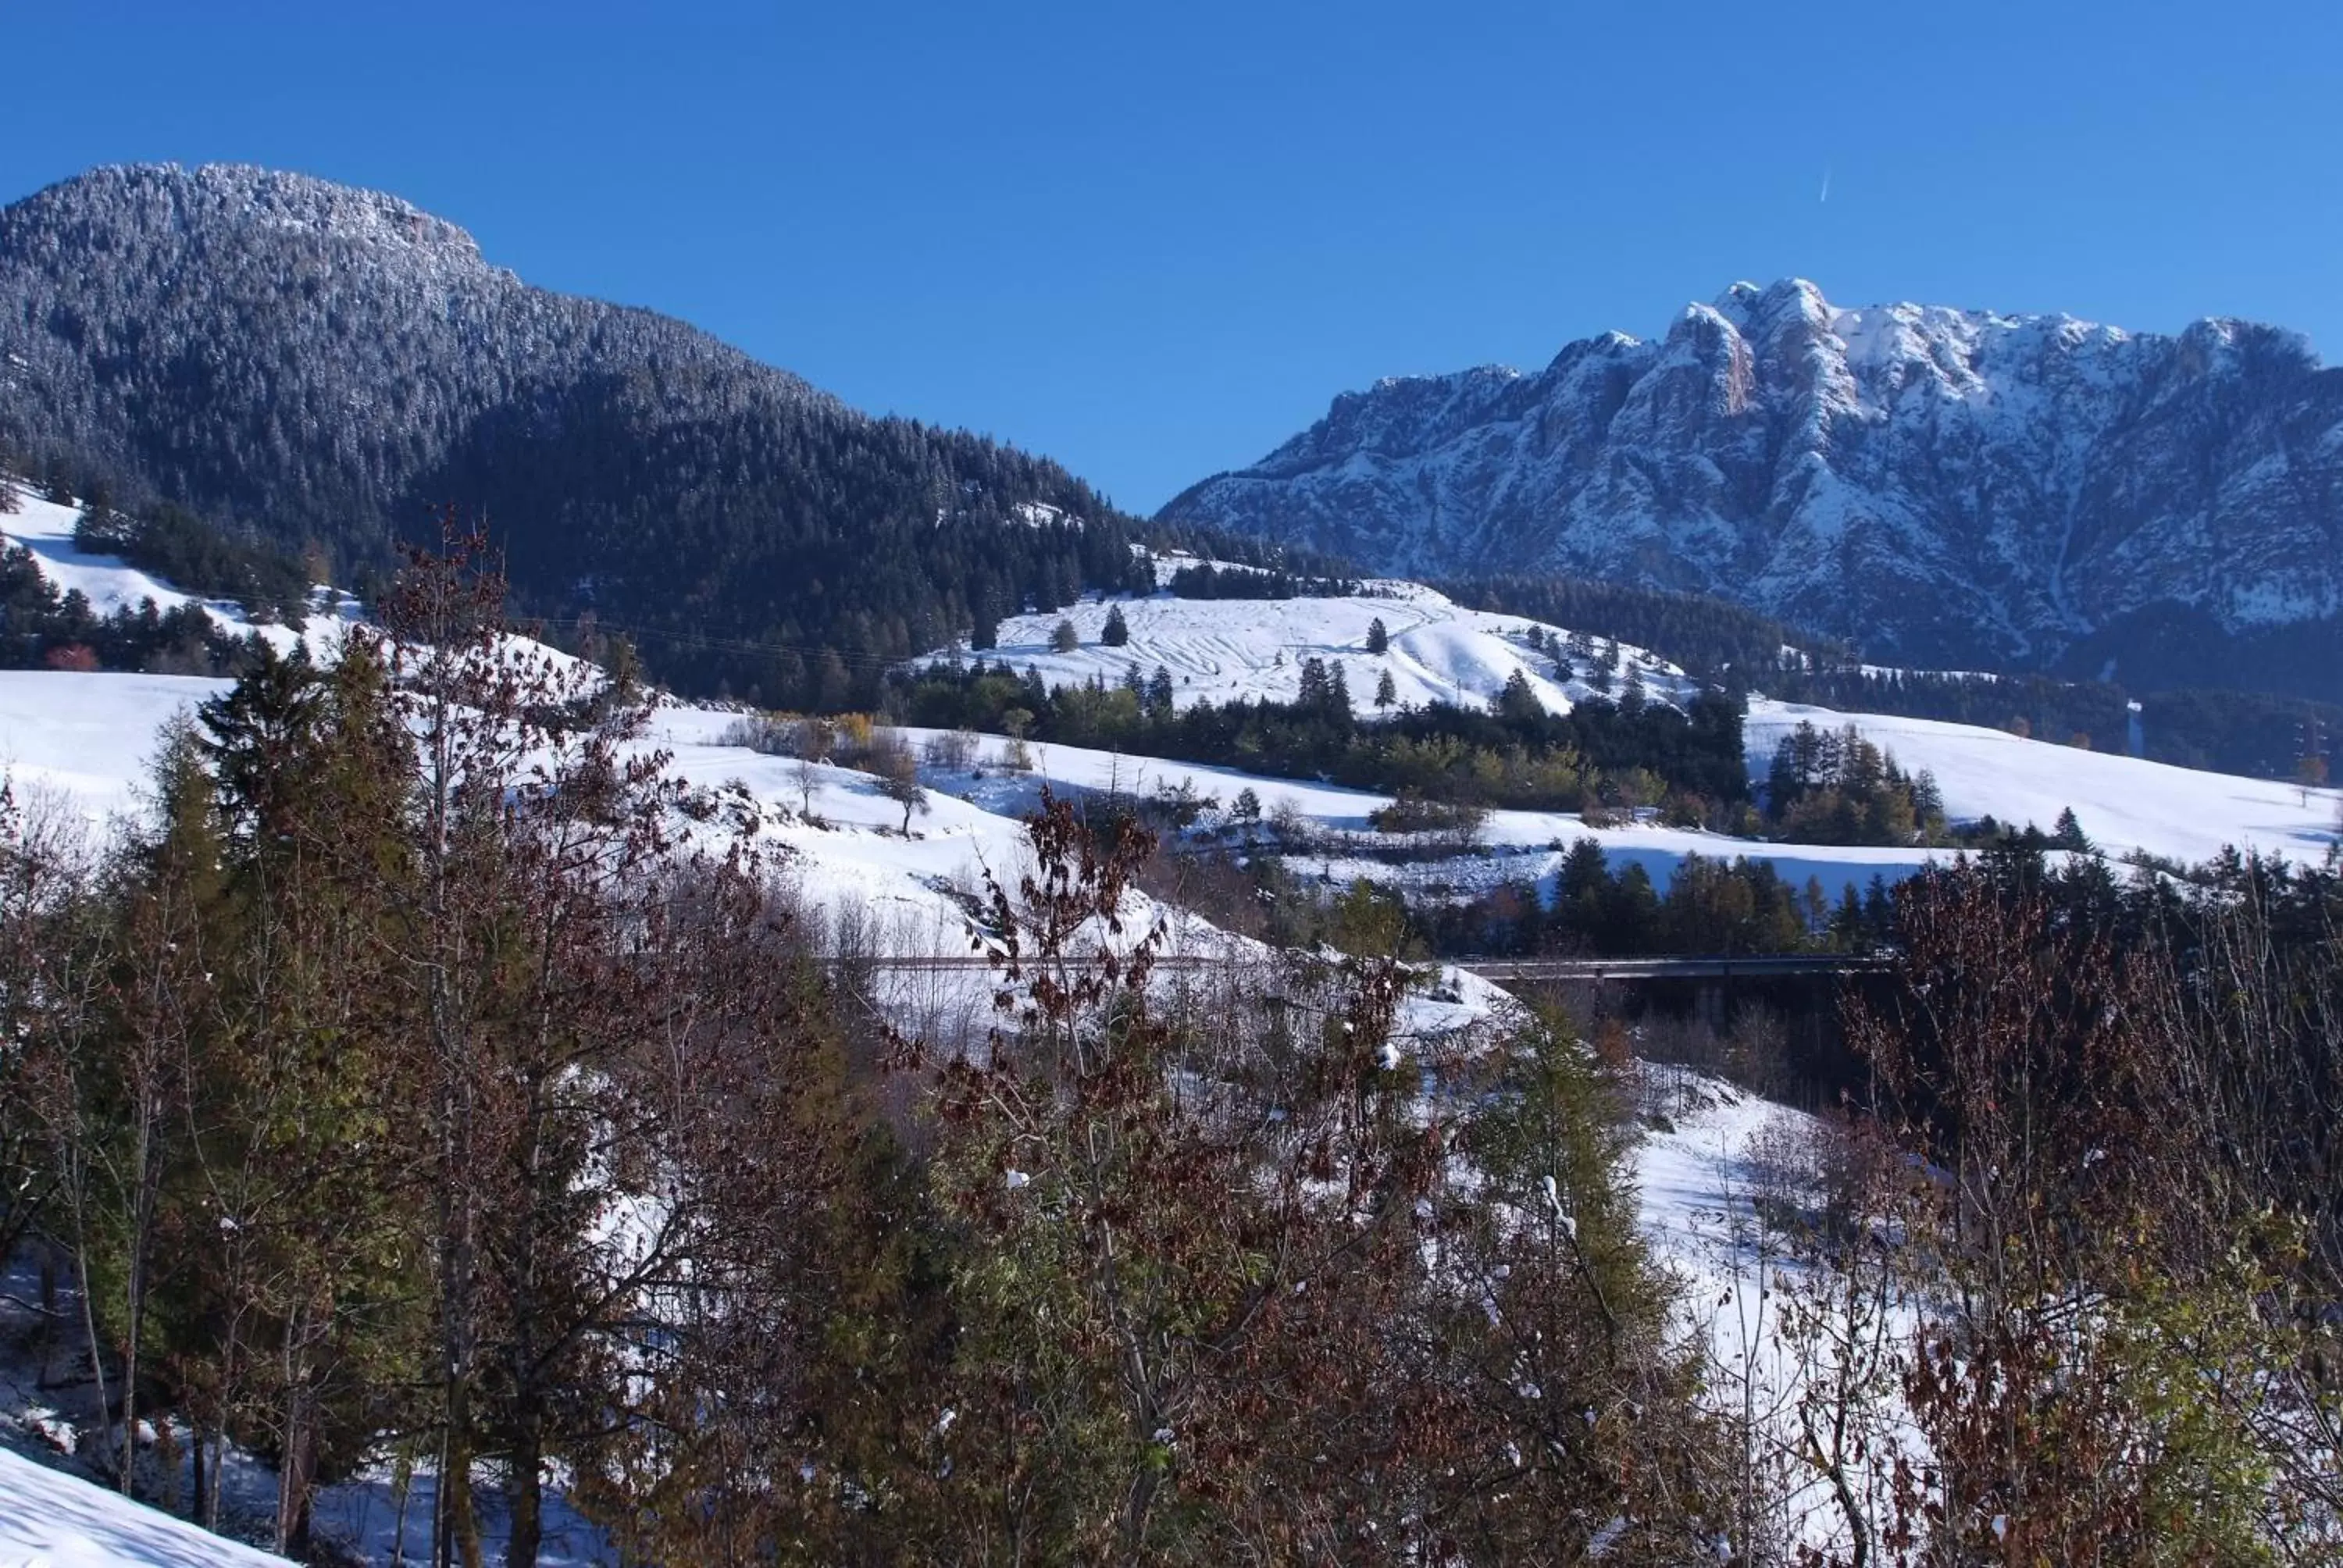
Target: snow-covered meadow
(1227, 649)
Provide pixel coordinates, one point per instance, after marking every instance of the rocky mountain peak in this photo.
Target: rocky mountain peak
(1935, 483)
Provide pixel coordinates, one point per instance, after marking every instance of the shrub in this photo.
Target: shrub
(953, 750)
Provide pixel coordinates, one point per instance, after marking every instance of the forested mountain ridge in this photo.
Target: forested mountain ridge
(321, 366)
(1937, 485)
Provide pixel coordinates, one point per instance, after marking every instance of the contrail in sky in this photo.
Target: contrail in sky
(1826, 174)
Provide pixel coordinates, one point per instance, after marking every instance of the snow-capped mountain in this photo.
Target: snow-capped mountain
(1949, 485)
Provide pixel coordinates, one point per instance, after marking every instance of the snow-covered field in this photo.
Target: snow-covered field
(1713, 1166)
(2123, 802)
(1519, 845)
(89, 737)
(1225, 649)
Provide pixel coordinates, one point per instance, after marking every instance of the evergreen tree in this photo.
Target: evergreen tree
(984, 620)
(1518, 703)
(1117, 633)
(1928, 801)
(1378, 638)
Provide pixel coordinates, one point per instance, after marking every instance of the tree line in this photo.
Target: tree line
(1513, 754)
(2205, 715)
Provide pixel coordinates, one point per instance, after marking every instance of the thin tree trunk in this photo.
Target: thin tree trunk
(89, 1315)
(456, 1536)
(144, 1179)
(527, 1500)
(199, 1501)
(296, 1463)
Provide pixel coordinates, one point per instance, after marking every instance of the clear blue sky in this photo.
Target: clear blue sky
(1153, 241)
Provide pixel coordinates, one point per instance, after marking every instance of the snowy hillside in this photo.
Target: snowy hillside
(83, 741)
(111, 583)
(1518, 846)
(2123, 802)
(52, 1520)
(1221, 651)
(1944, 486)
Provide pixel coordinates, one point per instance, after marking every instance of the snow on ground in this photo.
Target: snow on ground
(1517, 845)
(913, 894)
(1225, 649)
(87, 740)
(52, 1520)
(89, 737)
(111, 583)
(2124, 803)
(1709, 1160)
(108, 582)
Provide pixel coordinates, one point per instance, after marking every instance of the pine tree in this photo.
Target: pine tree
(1378, 636)
(1117, 632)
(1928, 801)
(1386, 690)
(984, 619)
(1518, 702)
(1633, 696)
(160, 1002)
(1064, 639)
(318, 1256)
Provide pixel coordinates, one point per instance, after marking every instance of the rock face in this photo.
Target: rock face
(1939, 486)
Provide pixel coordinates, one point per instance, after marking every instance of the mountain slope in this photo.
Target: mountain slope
(1941, 486)
(325, 365)
(1234, 650)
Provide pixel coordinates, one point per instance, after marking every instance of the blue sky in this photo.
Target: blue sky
(1154, 241)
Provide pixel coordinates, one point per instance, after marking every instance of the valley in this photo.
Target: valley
(606, 959)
